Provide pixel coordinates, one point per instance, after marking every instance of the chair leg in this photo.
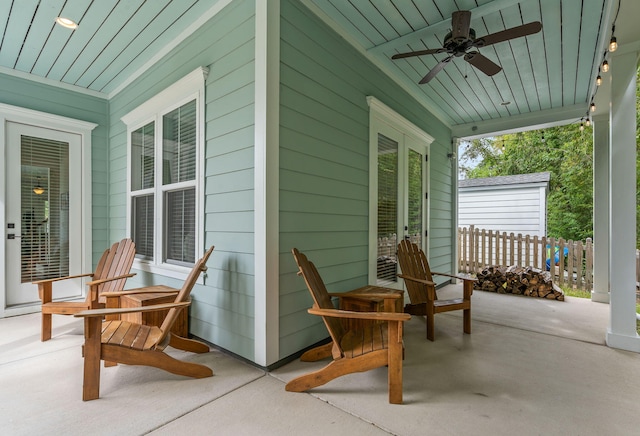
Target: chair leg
(337, 368)
(318, 353)
(45, 335)
(91, 351)
(430, 321)
(467, 321)
(186, 344)
(396, 351)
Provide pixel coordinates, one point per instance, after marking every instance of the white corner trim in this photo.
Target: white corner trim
(266, 183)
(191, 83)
(380, 109)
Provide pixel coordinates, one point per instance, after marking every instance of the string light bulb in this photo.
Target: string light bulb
(592, 107)
(613, 42)
(599, 80)
(605, 66)
(588, 122)
(581, 125)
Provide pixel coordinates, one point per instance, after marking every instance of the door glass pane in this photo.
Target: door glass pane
(415, 197)
(387, 209)
(44, 200)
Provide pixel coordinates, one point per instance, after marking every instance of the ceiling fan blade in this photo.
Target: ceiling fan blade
(435, 70)
(514, 32)
(460, 25)
(418, 53)
(482, 63)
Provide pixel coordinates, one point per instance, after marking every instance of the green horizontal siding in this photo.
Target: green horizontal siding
(324, 165)
(223, 308)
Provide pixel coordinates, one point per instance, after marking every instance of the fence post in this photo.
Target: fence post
(588, 273)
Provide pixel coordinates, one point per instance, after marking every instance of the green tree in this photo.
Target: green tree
(567, 153)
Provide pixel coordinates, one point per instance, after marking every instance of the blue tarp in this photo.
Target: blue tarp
(556, 256)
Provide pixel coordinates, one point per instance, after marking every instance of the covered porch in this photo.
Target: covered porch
(531, 366)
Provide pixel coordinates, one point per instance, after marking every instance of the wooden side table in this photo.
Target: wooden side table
(371, 304)
(180, 327)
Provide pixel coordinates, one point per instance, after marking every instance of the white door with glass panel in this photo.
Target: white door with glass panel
(43, 211)
(401, 198)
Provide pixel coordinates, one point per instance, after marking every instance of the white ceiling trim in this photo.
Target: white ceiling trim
(386, 68)
(520, 123)
(213, 11)
(51, 82)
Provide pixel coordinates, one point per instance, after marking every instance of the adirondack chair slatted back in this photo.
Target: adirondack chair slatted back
(413, 263)
(319, 293)
(183, 295)
(114, 262)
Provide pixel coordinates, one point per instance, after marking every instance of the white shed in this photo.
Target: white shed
(515, 204)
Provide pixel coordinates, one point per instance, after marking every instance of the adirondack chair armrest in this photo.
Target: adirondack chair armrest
(110, 279)
(93, 313)
(382, 295)
(415, 279)
(57, 279)
(139, 291)
(374, 316)
(472, 279)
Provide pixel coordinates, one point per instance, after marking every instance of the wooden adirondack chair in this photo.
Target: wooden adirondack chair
(111, 274)
(375, 345)
(422, 289)
(138, 344)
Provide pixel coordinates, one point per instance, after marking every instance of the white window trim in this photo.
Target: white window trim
(184, 90)
(380, 113)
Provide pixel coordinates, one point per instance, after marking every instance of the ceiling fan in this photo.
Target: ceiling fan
(462, 41)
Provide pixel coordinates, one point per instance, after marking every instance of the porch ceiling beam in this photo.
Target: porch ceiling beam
(440, 27)
(520, 123)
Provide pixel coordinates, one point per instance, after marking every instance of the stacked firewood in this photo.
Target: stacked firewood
(518, 280)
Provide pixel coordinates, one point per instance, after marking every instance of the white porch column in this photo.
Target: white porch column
(601, 227)
(266, 182)
(622, 328)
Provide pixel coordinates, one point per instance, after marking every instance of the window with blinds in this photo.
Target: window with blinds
(165, 214)
(44, 203)
(387, 209)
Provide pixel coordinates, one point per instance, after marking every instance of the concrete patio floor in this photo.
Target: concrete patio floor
(530, 367)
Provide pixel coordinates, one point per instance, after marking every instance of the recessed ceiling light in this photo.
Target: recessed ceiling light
(505, 103)
(66, 22)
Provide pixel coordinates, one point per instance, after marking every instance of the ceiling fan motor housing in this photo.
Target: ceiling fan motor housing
(460, 26)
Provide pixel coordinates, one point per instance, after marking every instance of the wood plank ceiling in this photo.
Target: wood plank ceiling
(114, 39)
(552, 69)
(117, 39)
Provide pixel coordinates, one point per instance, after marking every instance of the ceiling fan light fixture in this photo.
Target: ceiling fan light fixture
(605, 66)
(67, 22)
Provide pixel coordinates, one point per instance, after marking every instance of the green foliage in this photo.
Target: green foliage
(565, 152)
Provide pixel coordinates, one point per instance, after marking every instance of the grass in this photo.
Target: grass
(570, 292)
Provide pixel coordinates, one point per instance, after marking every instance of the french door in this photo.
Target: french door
(43, 211)
(401, 198)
